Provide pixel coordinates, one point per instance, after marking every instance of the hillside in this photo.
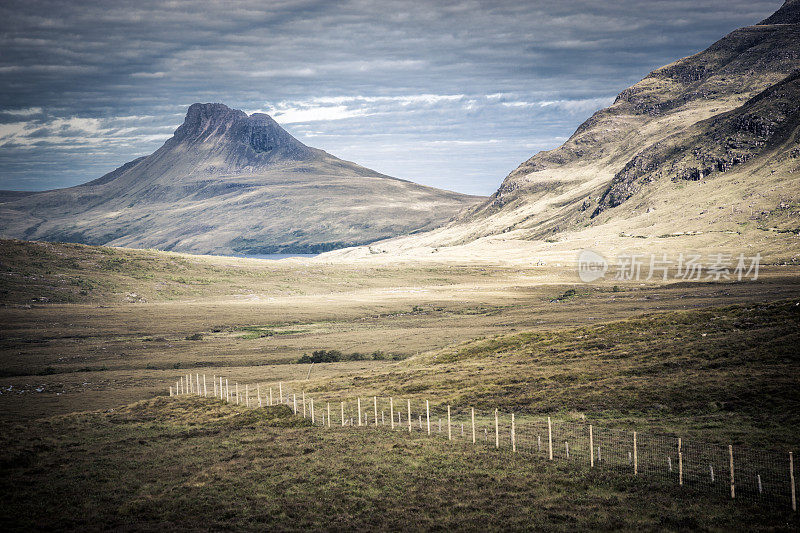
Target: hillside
(229, 183)
(702, 153)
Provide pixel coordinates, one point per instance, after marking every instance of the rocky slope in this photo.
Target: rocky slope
(706, 145)
(225, 183)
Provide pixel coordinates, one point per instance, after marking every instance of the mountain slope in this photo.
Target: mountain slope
(707, 145)
(227, 182)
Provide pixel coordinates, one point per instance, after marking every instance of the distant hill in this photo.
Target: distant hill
(708, 145)
(225, 183)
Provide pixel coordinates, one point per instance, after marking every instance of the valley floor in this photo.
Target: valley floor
(87, 331)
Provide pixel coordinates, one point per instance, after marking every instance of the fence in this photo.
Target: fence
(738, 472)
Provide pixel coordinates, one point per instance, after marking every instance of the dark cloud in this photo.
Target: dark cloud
(453, 94)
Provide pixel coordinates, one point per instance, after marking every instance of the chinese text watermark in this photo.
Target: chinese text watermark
(593, 266)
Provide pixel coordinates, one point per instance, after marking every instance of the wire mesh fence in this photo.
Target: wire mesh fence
(738, 472)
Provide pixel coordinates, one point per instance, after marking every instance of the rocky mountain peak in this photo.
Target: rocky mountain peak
(205, 119)
(248, 140)
(789, 13)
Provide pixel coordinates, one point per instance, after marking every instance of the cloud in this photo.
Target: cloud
(349, 73)
(289, 115)
(580, 106)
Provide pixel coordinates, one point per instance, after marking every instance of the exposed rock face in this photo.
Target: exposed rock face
(789, 13)
(714, 145)
(226, 182)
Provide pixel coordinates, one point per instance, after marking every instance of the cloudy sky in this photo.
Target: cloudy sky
(452, 94)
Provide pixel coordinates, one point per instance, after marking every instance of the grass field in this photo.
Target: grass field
(199, 464)
(89, 331)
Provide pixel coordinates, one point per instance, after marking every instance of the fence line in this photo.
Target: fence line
(737, 472)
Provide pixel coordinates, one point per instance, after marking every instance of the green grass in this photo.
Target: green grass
(201, 465)
(723, 374)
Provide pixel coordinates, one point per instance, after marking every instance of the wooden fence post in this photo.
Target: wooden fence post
(449, 429)
(270, 396)
(359, 411)
(304, 403)
(391, 411)
(170, 390)
(549, 438)
(342, 414)
(329, 414)
(680, 461)
(791, 479)
(428, 415)
(214, 381)
(280, 391)
(496, 430)
(473, 425)
(591, 447)
(375, 405)
(409, 415)
(199, 390)
(733, 486)
(227, 391)
(205, 389)
(294, 402)
(635, 456)
(312, 410)
(513, 434)
(237, 393)
(247, 395)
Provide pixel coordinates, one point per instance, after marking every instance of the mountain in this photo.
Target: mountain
(227, 183)
(704, 150)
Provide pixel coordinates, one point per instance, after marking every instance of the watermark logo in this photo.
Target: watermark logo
(592, 266)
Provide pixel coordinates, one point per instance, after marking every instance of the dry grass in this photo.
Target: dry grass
(201, 465)
(671, 358)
